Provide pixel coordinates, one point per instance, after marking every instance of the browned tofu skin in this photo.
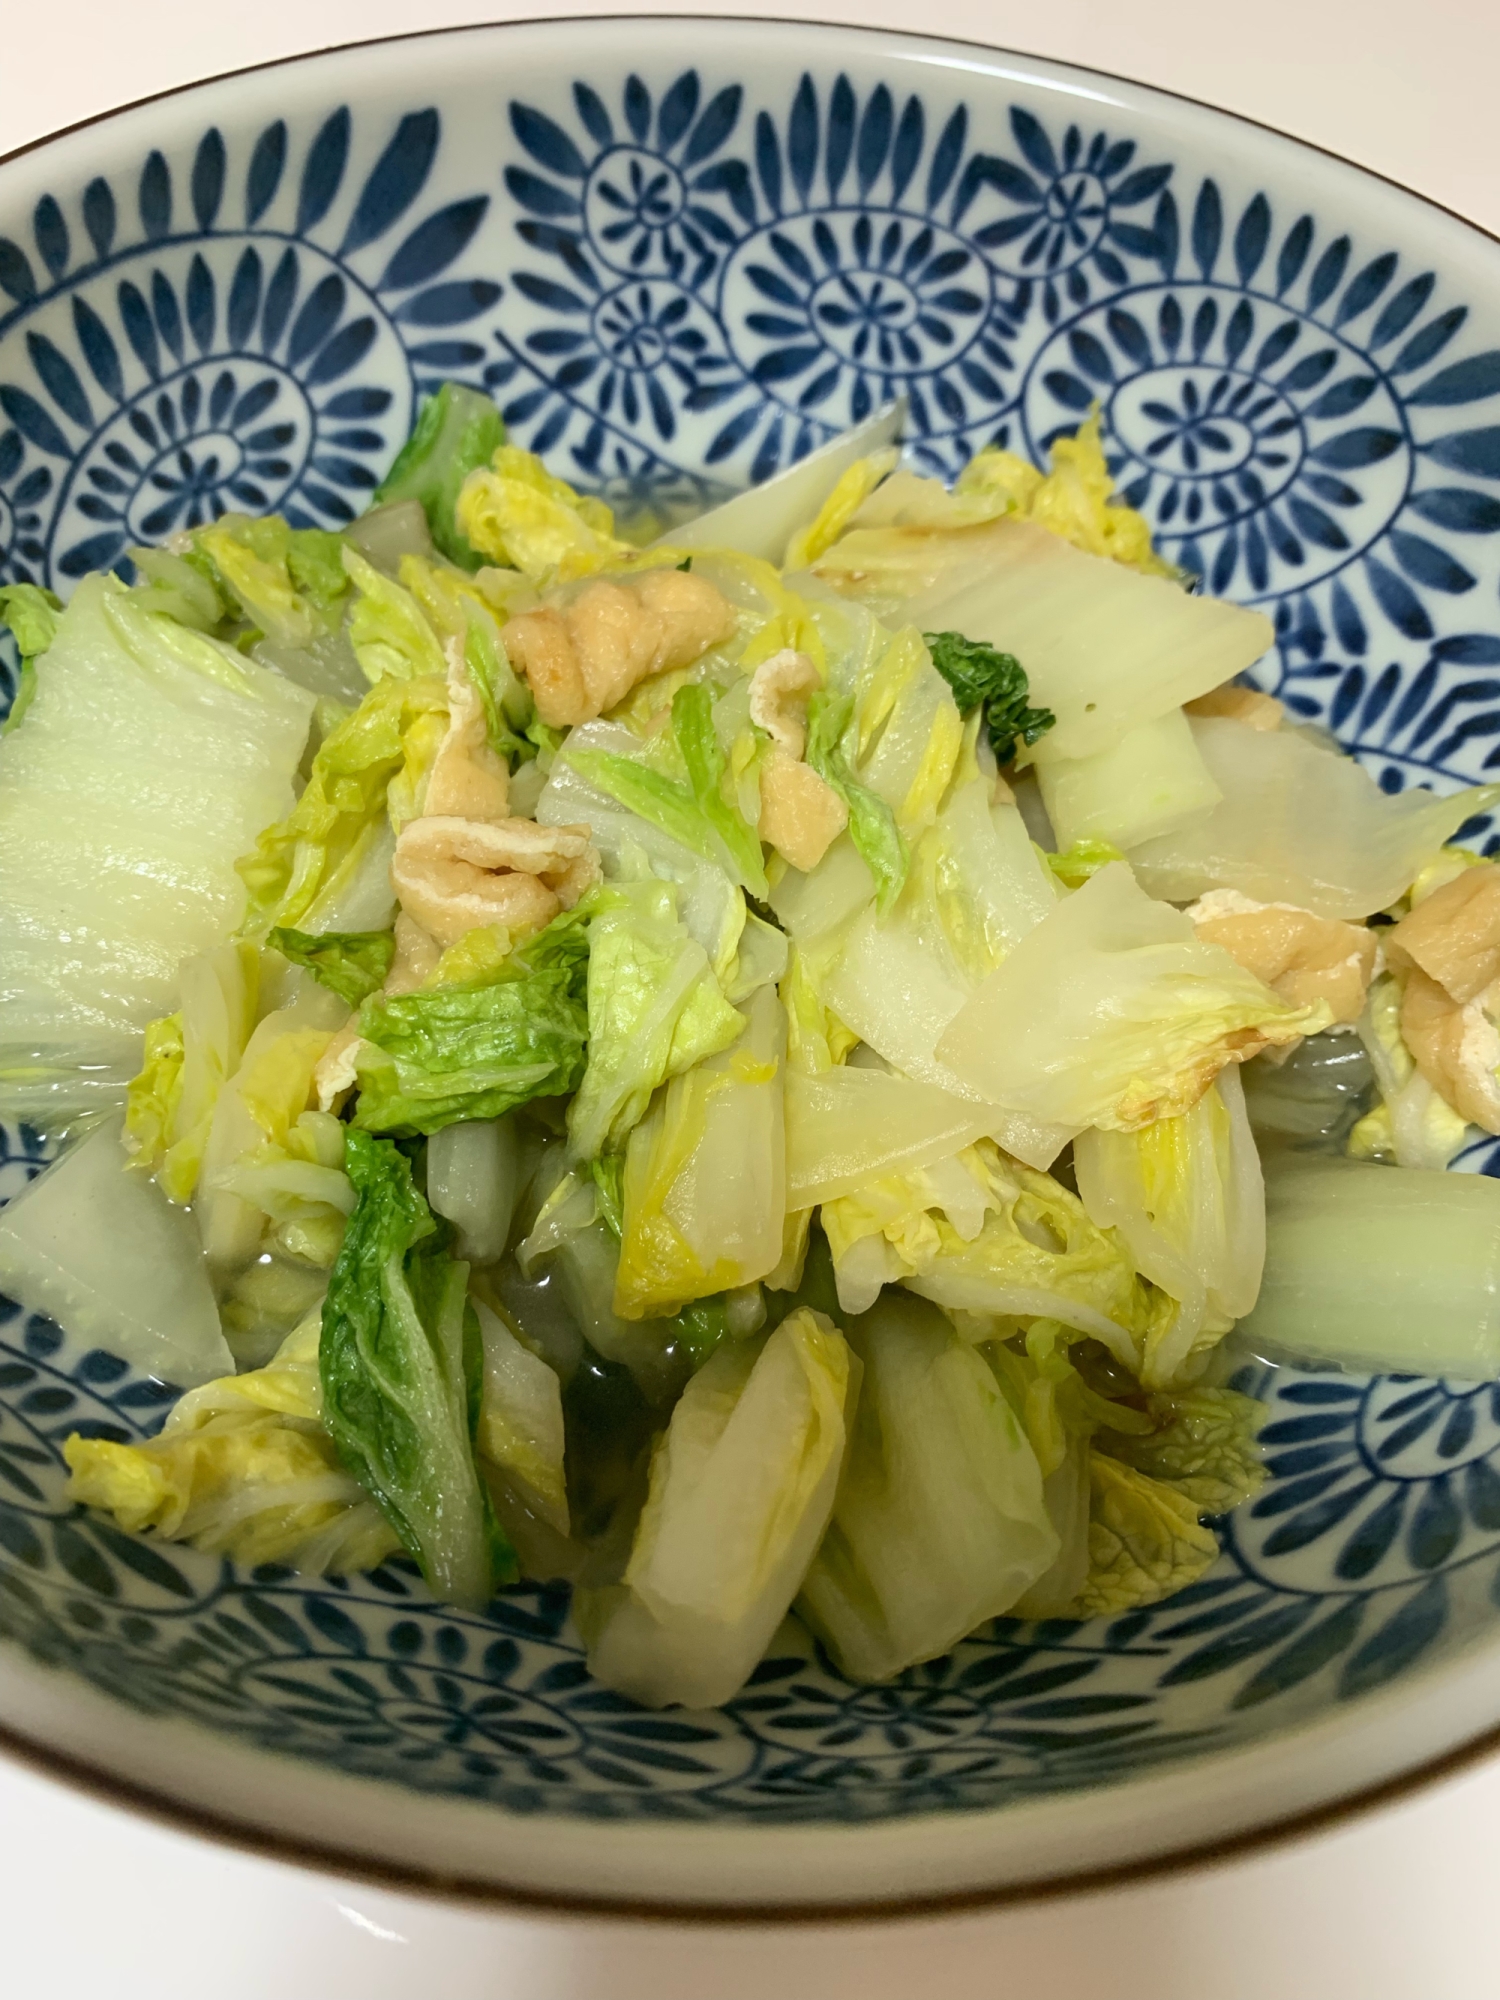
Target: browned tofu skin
(454, 875)
(1455, 1047)
(1239, 704)
(1454, 934)
(583, 658)
(801, 815)
(1298, 955)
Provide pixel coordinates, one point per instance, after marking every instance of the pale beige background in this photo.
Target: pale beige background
(1408, 89)
(1402, 1906)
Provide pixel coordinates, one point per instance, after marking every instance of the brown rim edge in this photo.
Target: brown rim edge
(467, 1891)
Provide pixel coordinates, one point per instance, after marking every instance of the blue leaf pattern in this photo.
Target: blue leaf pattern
(672, 285)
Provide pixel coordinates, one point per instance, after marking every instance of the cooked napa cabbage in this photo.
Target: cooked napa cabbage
(1112, 1012)
(190, 1055)
(287, 582)
(306, 868)
(1382, 1268)
(689, 803)
(940, 1522)
(1300, 824)
(1075, 498)
(476, 1047)
(32, 615)
(705, 1175)
(474, 1182)
(352, 964)
(1104, 647)
(148, 759)
(1412, 1125)
(874, 828)
(243, 1467)
(515, 513)
(848, 1126)
(977, 888)
(1186, 1196)
(520, 1436)
(401, 1360)
(1145, 1484)
(981, 1233)
(762, 521)
(654, 1009)
(742, 1486)
(983, 678)
(1201, 1442)
(1061, 1413)
(713, 1263)
(574, 1246)
(1152, 782)
(634, 843)
(907, 734)
(1125, 1481)
(391, 638)
(106, 1255)
(1145, 1541)
(457, 431)
(815, 909)
(270, 1173)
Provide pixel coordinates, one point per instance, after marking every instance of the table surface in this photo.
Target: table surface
(1389, 1907)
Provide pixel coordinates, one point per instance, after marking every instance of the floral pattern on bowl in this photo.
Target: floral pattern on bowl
(675, 279)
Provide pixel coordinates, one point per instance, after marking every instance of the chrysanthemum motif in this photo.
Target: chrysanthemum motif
(1283, 413)
(610, 348)
(1389, 1481)
(1009, 1713)
(252, 337)
(859, 250)
(1078, 209)
(867, 278)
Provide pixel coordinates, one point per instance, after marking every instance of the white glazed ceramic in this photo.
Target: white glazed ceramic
(680, 254)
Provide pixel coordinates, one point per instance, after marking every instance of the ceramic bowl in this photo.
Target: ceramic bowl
(680, 254)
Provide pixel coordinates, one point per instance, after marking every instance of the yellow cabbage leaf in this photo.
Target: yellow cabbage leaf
(1202, 1442)
(849, 494)
(1145, 1541)
(1075, 499)
(385, 746)
(518, 514)
(242, 1467)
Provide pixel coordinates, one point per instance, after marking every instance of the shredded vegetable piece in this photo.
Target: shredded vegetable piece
(703, 1084)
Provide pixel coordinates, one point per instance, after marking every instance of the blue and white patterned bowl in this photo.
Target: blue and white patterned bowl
(680, 254)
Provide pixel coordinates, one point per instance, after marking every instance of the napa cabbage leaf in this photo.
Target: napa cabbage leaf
(742, 1485)
(705, 1175)
(654, 1010)
(1111, 1013)
(479, 1048)
(147, 760)
(352, 964)
(243, 1467)
(288, 582)
(1186, 1196)
(940, 1522)
(108, 1257)
(301, 866)
(458, 430)
(516, 513)
(401, 1363)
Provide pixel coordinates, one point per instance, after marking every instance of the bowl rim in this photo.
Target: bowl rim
(90, 1776)
(87, 1779)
